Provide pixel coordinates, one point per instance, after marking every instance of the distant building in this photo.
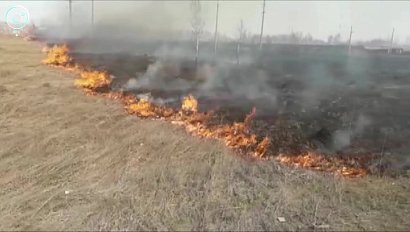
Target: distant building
(385, 50)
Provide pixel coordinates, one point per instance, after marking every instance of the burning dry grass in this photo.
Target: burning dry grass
(57, 55)
(144, 108)
(190, 104)
(237, 135)
(93, 80)
(310, 160)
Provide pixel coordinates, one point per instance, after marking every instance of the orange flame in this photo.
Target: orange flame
(93, 80)
(249, 117)
(144, 108)
(189, 103)
(320, 162)
(235, 136)
(57, 55)
(262, 147)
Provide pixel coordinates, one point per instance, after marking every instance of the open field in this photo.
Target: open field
(74, 162)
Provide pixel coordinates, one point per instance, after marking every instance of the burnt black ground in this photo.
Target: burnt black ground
(360, 100)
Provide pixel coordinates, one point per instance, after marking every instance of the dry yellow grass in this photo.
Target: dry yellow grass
(74, 162)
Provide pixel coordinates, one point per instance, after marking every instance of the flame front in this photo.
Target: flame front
(262, 147)
(144, 108)
(321, 162)
(190, 104)
(236, 135)
(93, 80)
(57, 55)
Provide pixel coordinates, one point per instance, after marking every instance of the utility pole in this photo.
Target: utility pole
(263, 20)
(92, 13)
(391, 41)
(70, 8)
(242, 33)
(350, 39)
(197, 26)
(216, 27)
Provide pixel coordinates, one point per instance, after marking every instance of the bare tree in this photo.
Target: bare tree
(197, 24)
(337, 38)
(241, 36)
(330, 39)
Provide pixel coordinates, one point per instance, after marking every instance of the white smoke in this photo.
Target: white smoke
(343, 138)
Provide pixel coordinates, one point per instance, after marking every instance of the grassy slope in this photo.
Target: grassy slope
(125, 173)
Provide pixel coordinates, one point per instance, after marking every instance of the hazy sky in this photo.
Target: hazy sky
(370, 19)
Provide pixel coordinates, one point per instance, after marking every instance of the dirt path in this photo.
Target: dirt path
(72, 162)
